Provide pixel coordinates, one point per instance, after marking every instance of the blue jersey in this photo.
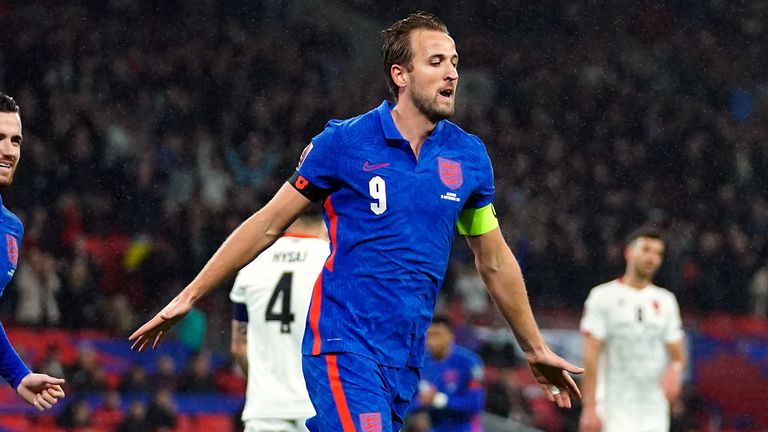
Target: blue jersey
(12, 369)
(458, 376)
(391, 220)
(12, 231)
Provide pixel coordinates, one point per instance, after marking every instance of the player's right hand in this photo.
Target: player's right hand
(590, 421)
(40, 390)
(552, 373)
(426, 393)
(156, 328)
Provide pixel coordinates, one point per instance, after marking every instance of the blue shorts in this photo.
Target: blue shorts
(352, 393)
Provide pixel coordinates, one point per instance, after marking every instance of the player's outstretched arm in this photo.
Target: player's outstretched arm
(40, 390)
(502, 276)
(254, 235)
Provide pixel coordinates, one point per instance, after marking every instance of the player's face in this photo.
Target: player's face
(439, 340)
(10, 146)
(644, 256)
(433, 76)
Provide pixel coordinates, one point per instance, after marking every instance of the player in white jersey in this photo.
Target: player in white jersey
(271, 297)
(633, 346)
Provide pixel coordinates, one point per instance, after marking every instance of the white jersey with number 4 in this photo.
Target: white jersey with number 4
(276, 289)
(635, 326)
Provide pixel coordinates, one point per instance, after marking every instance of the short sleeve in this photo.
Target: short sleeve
(593, 322)
(674, 329)
(317, 172)
(237, 295)
(484, 192)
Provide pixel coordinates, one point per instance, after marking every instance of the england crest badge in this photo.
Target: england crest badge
(450, 173)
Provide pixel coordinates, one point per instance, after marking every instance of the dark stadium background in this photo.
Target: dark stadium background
(151, 129)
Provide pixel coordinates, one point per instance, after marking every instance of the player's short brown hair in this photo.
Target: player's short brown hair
(645, 232)
(443, 320)
(7, 104)
(313, 214)
(396, 42)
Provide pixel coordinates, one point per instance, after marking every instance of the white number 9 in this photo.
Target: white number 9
(378, 190)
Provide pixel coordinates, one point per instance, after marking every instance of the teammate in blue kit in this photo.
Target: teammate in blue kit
(40, 390)
(394, 183)
(451, 387)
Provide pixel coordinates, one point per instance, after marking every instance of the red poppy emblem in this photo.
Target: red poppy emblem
(450, 173)
(13, 249)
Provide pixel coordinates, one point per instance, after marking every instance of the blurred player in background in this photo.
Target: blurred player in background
(451, 387)
(40, 390)
(633, 346)
(271, 298)
(395, 183)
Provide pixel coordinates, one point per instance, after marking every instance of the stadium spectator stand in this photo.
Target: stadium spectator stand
(143, 149)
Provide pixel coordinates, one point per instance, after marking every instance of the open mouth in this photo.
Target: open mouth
(5, 165)
(446, 93)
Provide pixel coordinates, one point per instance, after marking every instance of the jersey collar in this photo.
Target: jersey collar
(3, 220)
(392, 135)
(388, 124)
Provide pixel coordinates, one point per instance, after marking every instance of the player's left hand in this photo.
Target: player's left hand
(671, 382)
(427, 393)
(156, 328)
(40, 390)
(552, 373)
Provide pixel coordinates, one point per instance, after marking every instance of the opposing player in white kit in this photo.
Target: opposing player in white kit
(271, 297)
(633, 346)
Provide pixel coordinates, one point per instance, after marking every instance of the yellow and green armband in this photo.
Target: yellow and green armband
(477, 221)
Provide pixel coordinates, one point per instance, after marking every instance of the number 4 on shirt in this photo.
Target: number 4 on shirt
(285, 316)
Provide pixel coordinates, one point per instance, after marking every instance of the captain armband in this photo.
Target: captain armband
(477, 221)
(304, 187)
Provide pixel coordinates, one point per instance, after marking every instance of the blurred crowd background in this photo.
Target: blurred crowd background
(152, 129)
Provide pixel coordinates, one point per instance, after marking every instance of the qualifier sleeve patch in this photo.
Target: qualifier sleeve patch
(477, 221)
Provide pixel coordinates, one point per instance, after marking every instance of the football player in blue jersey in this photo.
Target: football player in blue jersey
(451, 387)
(394, 183)
(40, 390)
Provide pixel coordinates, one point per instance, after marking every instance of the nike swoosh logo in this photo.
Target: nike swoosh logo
(369, 167)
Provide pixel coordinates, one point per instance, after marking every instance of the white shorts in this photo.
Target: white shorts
(646, 420)
(275, 425)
